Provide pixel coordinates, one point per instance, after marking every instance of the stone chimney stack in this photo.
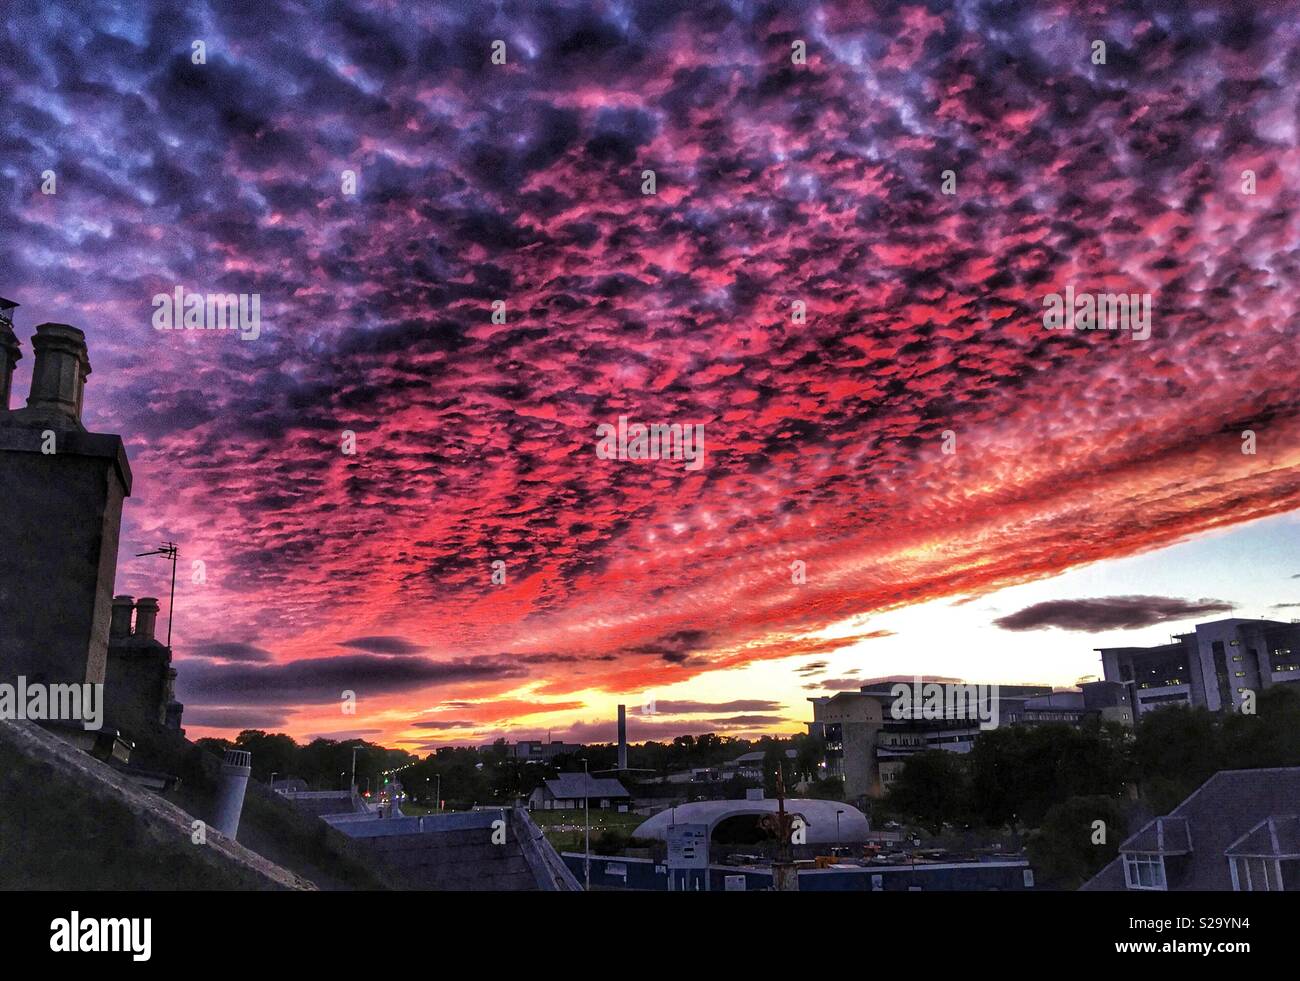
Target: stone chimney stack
(146, 615)
(61, 513)
(58, 376)
(11, 351)
(119, 627)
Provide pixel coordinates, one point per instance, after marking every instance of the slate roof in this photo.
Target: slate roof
(83, 824)
(1163, 836)
(1222, 814)
(1274, 837)
(570, 786)
(459, 850)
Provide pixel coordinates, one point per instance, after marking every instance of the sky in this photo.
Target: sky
(970, 494)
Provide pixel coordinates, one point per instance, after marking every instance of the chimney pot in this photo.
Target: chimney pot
(58, 375)
(120, 626)
(146, 616)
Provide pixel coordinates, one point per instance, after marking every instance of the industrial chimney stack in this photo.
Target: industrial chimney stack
(622, 737)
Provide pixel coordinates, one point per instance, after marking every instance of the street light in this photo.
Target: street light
(838, 812)
(586, 813)
(353, 784)
(272, 781)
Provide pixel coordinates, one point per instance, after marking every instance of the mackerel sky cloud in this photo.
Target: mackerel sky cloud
(775, 183)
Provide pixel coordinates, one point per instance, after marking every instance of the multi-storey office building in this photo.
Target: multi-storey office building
(1213, 667)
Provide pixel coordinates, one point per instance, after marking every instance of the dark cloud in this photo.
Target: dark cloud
(835, 684)
(236, 718)
(641, 728)
(671, 707)
(675, 648)
(739, 721)
(1109, 613)
(230, 651)
(344, 735)
(320, 680)
(383, 645)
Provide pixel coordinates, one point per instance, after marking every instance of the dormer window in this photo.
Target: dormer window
(1267, 858)
(1256, 874)
(1144, 871)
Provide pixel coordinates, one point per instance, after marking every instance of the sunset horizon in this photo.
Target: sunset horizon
(412, 478)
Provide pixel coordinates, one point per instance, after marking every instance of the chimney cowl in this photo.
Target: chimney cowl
(235, 769)
(58, 376)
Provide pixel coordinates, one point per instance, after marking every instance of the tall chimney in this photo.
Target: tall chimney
(235, 769)
(622, 737)
(11, 351)
(146, 615)
(59, 375)
(119, 626)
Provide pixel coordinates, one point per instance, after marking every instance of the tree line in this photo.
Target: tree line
(1054, 782)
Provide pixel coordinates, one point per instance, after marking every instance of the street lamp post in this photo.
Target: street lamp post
(272, 781)
(586, 813)
(353, 785)
(838, 812)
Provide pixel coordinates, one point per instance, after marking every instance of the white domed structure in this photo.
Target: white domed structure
(819, 817)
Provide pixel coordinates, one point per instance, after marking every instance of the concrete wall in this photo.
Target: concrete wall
(60, 516)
